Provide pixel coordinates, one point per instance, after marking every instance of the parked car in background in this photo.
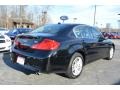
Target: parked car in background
(3, 30)
(105, 34)
(5, 43)
(61, 48)
(14, 32)
(118, 35)
(111, 35)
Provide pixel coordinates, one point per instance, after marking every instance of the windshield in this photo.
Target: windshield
(52, 29)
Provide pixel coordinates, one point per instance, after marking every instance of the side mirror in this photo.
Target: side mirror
(101, 38)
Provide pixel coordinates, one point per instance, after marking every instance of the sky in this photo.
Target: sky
(85, 14)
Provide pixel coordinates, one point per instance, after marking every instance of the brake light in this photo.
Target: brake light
(16, 43)
(46, 44)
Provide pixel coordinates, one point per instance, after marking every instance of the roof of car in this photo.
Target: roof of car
(66, 24)
(23, 28)
(69, 24)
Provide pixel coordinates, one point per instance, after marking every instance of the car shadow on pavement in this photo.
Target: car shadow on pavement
(7, 61)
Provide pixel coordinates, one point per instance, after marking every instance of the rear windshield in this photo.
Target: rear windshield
(52, 29)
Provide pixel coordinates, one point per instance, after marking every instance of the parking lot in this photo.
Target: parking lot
(95, 73)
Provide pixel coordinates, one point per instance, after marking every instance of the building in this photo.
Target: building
(109, 30)
(20, 23)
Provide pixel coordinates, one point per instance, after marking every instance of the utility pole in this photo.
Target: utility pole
(74, 19)
(94, 16)
(44, 18)
(20, 16)
(119, 22)
(6, 17)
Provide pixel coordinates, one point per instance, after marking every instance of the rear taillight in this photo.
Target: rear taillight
(47, 44)
(16, 43)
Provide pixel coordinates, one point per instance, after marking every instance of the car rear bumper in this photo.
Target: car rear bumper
(33, 62)
(50, 63)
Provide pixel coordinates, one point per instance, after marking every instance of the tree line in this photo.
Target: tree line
(39, 15)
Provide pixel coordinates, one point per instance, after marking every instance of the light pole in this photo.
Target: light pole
(74, 19)
(21, 18)
(119, 21)
(94, 15)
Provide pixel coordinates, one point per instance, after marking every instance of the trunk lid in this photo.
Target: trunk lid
(25, 41)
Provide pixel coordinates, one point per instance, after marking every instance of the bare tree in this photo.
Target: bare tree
(44, 17)
(36, 14)
(30, 16)
(3, 15)
(22, 11)
(14, 11)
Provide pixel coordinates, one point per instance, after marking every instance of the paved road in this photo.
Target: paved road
(96, 73)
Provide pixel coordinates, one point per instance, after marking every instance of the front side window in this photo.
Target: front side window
(96, 33)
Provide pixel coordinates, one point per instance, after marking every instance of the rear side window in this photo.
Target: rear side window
(82, 32)
(77, 32)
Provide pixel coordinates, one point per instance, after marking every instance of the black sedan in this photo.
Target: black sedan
(61, 48)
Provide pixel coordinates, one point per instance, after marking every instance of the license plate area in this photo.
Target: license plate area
(20, 60)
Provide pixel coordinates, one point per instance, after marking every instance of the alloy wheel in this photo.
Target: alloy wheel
(77, 66)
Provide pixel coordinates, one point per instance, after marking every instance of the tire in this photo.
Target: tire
(111, 53)
(75, 66)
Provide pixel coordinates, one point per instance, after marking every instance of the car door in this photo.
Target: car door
(89, 44)
(101, 45)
